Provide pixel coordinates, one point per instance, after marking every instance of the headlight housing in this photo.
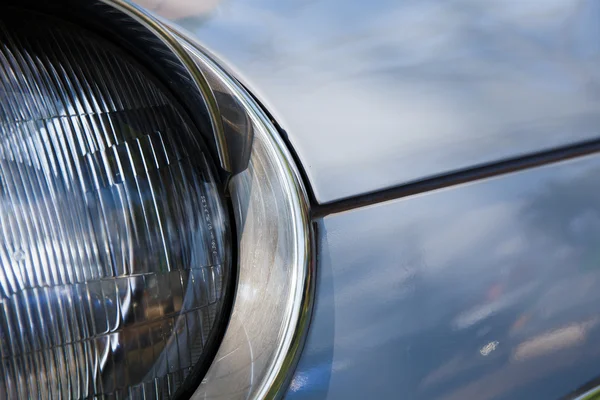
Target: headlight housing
(115, 240)
(119, 142)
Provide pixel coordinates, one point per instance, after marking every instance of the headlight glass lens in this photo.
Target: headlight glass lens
(114, 239)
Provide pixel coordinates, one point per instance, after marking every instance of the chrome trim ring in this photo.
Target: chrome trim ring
(273, 302)
(590, 394)
(168, 39)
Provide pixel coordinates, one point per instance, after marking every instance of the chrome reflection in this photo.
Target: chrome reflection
(273, 301)
(593, 394)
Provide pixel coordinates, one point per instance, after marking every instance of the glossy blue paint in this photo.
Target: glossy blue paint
(378, 93)
(488, 290)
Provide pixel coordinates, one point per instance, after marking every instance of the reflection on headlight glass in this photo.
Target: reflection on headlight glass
(112, 249)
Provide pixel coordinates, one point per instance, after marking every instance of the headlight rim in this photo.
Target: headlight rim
(280, 374)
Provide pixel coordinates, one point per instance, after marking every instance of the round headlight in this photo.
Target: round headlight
(114, 240)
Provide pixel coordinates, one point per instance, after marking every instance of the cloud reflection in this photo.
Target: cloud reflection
(382, 93)
(422, 284)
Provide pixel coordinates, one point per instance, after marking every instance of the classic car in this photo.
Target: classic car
(309, 199)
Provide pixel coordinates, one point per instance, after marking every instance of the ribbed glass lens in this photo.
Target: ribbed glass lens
(113, 234)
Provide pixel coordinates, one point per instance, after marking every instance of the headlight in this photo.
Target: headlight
(114, 235)
(119, 140)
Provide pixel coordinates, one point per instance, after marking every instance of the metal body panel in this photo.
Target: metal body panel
(488, 290)
(379, 93)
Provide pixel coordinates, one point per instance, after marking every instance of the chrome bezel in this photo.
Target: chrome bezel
(275, 236)
(287, 325)
(291, 275)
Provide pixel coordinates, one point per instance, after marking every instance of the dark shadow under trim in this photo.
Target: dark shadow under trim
(192, 382)
(457, 177)
(284, 136)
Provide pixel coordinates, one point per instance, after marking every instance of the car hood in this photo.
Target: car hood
(377, 94)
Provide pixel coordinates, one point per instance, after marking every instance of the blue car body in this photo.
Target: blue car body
(451, 151)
